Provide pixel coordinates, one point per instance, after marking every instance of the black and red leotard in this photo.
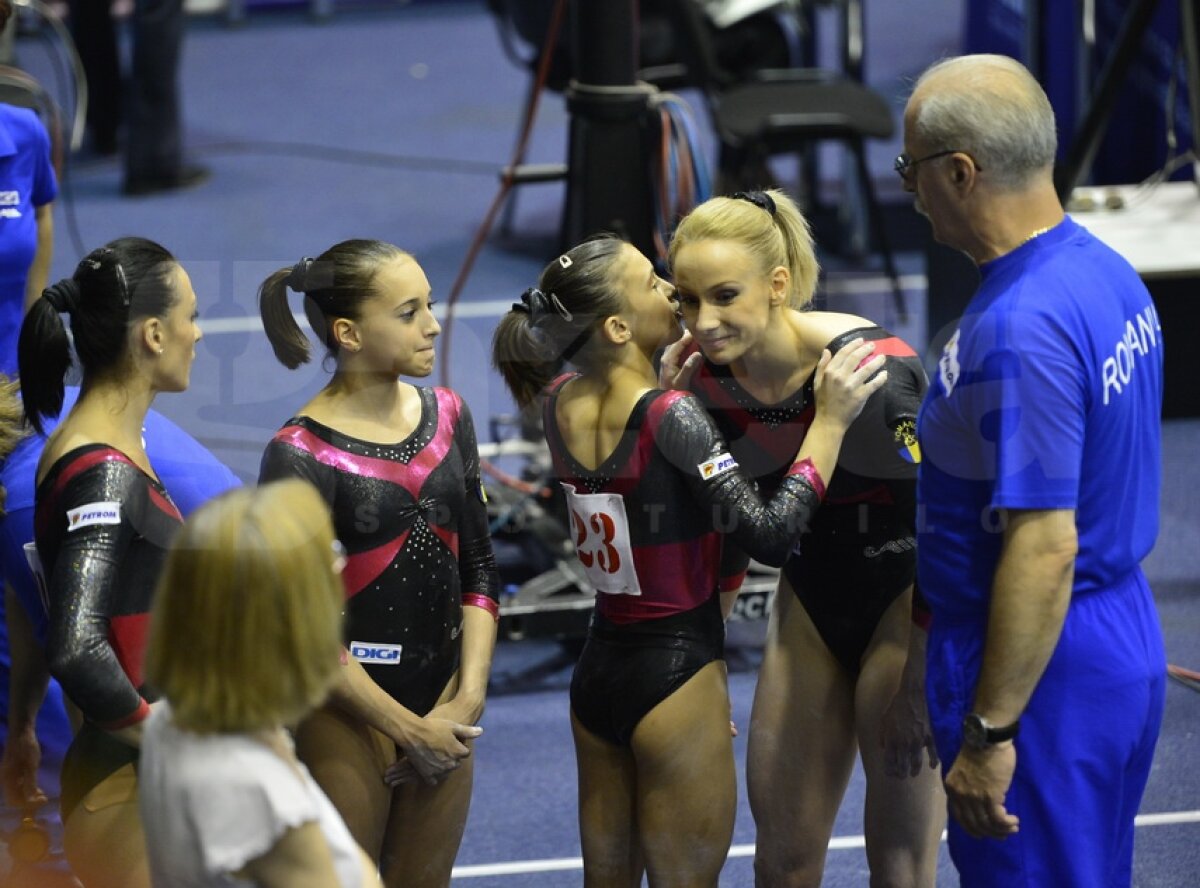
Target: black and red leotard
(646, 525)
(677, 488)
(103, 528)
(859, 553)
(413, 518)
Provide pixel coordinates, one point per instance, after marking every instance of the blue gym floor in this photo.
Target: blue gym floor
(391, 121)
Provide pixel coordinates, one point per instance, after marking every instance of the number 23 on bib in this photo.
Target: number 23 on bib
(601, 532)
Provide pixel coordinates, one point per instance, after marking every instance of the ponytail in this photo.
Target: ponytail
(766, 223)
(335, 285)
(801, 256)
(523, 357)
(126, 279)
(554, 321)
(287, 340)
(43, 359)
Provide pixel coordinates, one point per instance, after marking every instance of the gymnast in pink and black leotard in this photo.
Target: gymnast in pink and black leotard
(414, 525)
(399, 467)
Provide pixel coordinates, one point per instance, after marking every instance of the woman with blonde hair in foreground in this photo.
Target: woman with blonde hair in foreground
(245, 639)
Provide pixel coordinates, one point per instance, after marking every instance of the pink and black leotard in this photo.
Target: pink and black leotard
(413, 518)
(103, 528)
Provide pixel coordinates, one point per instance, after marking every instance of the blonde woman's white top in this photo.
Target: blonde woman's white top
(211, 803)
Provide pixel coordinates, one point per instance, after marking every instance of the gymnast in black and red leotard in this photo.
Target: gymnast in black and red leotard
(847, 609)
(399, 467)
(649, 484)
(103, 523)
(102, 526)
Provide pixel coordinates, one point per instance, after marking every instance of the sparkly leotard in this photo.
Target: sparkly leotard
(645, 527)
(860, 552)
(103, 527)
(678, 487)
(413, 519)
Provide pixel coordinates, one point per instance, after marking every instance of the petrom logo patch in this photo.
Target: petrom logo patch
(93, 513)
(723, 462)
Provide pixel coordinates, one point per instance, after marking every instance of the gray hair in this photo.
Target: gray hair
(992, 108)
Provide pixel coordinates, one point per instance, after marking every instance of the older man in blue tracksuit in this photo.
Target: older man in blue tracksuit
(1038, 499)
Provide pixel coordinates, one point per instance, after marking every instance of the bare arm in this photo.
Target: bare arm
(39, 270)
(28, 680)
(479, 641)
(301, 859)
(728, 600)
(1030, 595)
(904, 729)
(1031, 592)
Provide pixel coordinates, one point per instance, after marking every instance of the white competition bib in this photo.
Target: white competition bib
(601, 532)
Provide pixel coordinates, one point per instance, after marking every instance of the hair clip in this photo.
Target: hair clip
(537, 304)
(565, 261)
(560, 308)
(122, 284)
(760, 199)
(92, 263)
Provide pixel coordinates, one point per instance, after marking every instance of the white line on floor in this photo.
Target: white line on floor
(838, 843)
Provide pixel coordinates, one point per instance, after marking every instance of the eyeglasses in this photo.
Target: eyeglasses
(905, 164)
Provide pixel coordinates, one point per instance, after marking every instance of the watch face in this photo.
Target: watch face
(974, 732)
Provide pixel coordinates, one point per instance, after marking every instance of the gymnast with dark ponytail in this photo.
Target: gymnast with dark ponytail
(649, 482)
(103, 522)
(399, 466)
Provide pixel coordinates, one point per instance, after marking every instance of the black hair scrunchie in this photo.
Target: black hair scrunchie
(537, 305)
(760, 199)
(533, 303)
(63, 295)
(297, 278)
